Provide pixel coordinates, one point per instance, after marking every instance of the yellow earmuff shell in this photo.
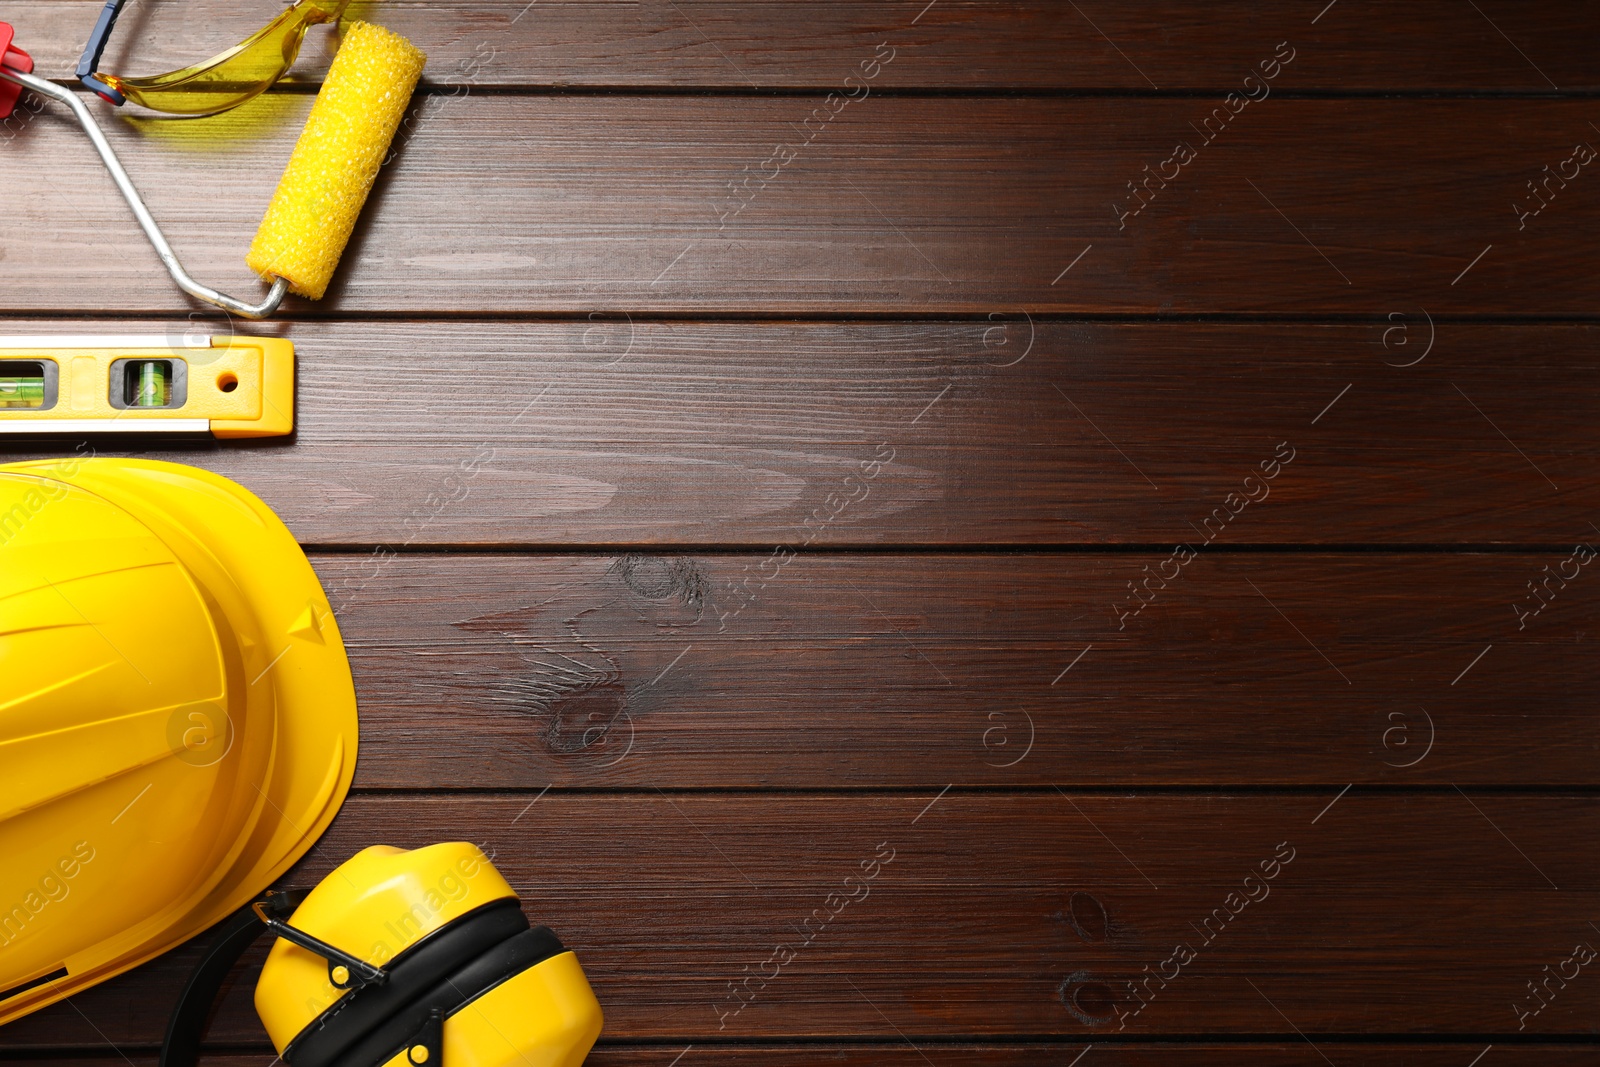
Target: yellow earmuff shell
(547, 1016)
(376, 905)
(384, 901)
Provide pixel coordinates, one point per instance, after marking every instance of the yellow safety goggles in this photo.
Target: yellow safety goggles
(225, 80)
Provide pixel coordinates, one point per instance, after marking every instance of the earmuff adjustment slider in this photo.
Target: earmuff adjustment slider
(344, 970)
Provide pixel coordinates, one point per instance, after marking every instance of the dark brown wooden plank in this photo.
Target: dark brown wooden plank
(1385, 914)
(1021, 1054)
(924, 205)
(923, 671)
(1011, 924)
(958, 44)
(1001, 431)
(1105, 1055)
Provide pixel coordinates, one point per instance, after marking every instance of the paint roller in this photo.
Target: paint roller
(331, 171)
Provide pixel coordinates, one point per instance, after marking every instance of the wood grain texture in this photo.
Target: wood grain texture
(1138, 1054)
(700, 671)
(1001, 431)
(951, 44)
(1300, 1053)
(576, 204)
(638, 300)
(992, 913)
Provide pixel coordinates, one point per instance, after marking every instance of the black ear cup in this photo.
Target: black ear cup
(371, 1012)
(504, 961)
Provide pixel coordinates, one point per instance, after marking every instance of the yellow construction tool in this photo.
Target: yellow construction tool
(223, 386)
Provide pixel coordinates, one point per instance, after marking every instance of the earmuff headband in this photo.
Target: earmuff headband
(181, 1047)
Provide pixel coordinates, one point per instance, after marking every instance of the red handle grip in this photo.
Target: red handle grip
(16, 59)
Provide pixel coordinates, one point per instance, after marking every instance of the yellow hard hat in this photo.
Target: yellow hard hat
(177, 718)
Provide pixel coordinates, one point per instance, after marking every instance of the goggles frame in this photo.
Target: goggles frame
(271, 51)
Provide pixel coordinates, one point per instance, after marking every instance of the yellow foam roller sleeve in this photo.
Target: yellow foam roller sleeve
(334, 163)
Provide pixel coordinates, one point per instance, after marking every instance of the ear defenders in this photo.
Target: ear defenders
(401, 959)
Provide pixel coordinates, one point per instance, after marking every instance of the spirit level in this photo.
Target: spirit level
(224, 386)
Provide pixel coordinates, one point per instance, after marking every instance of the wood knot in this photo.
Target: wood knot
(1088, 917)
(1088, 998)
(581, 721)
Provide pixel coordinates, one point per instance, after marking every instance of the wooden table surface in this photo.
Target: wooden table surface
(935, 533)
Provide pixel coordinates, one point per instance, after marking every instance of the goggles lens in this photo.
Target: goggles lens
(232, 77)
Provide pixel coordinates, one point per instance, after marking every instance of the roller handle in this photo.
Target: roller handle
(146, 221)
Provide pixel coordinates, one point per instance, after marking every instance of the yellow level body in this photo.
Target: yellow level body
(224, 386)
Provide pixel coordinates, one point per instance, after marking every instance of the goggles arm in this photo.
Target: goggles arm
(93, 50)
(358, 972)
